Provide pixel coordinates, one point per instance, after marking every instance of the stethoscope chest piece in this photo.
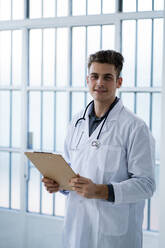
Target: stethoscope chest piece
(95, 144)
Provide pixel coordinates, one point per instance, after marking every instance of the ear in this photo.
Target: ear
(119, 82)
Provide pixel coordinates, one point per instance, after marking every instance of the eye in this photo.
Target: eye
(93, 77)
(108, 78)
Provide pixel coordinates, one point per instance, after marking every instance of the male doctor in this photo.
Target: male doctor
(112, 152)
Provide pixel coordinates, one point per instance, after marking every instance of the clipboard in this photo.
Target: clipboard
(52, 166)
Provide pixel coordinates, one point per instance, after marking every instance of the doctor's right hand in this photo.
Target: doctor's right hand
(50, 185)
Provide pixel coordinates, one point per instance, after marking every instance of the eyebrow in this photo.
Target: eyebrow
(106, 74)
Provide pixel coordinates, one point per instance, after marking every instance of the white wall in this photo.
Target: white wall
(35, 231)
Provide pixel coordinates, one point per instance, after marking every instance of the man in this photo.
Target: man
(112, 152)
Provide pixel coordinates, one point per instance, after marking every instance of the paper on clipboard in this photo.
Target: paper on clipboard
(52, 166)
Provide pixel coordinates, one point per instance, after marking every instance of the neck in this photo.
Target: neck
(102, 107)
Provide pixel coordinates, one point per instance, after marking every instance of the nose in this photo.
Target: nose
(100, 81)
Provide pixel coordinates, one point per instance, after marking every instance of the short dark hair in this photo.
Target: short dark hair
(107, 56)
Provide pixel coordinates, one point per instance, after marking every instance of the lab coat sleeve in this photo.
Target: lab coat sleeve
(141, 163)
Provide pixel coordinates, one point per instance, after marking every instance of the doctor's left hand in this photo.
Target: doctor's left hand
(83, 186)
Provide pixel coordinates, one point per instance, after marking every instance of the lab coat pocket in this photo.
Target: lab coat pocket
(113, 219)
(109, 159)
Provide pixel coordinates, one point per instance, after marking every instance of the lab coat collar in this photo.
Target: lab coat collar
(112, 116)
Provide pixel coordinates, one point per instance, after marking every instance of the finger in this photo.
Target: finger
(45, 179)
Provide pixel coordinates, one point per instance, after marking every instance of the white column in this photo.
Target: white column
(162, 156)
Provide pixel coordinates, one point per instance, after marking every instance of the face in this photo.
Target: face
(102, 82)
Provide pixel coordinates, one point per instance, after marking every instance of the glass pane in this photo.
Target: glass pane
(35, 57)
(78, 7)
(16, 119)
(108, 6)
(62, 7)
(108, 37)
(93, 39)
(144, 5)
(35, 8)
(61, 121)
(128, 51)
(47, 202)
(35, 118)
(155, 203)
(34, 190)
(89, 98)
(49, 8)
(156, 120)
(5, 118)
(17, 9)
(60, 204)
(4, 179)
(143, 99)
(48, 56)
(15, 180)
(158, 4)
(158, 51)
(5, 10)
(78, 56)
(129, 5)
(62, 57)
(5, 58)
(78, 102)
(17, 58)
(128, 100)
(48, 126)
(94, 7)
(144, 53)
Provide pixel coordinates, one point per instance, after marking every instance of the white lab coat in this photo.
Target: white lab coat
(126, 159)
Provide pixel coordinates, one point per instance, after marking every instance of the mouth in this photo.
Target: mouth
(100, 91)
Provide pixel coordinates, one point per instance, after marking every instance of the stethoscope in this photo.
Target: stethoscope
(96, 143)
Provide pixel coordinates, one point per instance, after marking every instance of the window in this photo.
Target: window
(43, 82)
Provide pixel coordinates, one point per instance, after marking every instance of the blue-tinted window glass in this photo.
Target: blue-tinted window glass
(48, 121)
(5, 118)
(108, 37)
(78, 7)
(62, 7)
(48, 57)
(158, 4)
(35, 8)
(158, 51)
(144, 5)
(156, 120)
(34, 190)
(78, 56)
(15, 180)
(143, 99)
(16, 119)
(61, 121)
(35, 57)
(144, 53)
(17, 58)
(5, 58)
(18, 9)
(94, 7)
(108, 6)
(4, 179)
(35, 119)
(128, 51)
(59, 204)
(129, 5)
(5, 10)
(77, 102)
(49, 8)
(62, 51)
(47, 201)
(93, 39)
(128, 100)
